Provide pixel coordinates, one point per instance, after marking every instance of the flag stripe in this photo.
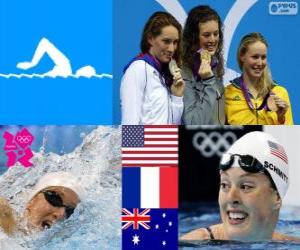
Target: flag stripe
(175, 149)
(131, 187)
(150, 187)
(168, 187)
(147, 130)
(164, 139)
(161, 127)
(158, 134)
(143, 159)
(148, 155)
(155, 162)
(160, 145)
(150, 165)
(160, 142)
(279, 155)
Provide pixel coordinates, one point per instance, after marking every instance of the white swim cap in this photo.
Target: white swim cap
(62, 179)
(269, 152)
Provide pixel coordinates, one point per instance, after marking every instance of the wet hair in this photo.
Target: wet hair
(190, 40)
(153, 28)
(265, 82)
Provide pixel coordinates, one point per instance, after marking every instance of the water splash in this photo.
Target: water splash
(95, 222)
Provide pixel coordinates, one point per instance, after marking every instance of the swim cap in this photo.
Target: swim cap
(62, 179)
(269, 152)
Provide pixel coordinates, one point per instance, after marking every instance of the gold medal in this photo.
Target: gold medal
(205, 56)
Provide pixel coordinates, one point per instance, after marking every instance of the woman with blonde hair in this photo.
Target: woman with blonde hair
(254, 98)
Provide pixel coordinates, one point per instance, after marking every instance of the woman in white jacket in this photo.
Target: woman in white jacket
(150, 92)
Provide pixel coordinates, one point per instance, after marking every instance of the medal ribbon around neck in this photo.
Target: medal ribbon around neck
(248, 98)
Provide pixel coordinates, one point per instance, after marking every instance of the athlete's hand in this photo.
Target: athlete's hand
(282, 108)
(205, 70)
(177, 87)
(24, 65)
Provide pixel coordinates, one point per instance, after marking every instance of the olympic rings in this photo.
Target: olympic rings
(24, 139)
(213, 143)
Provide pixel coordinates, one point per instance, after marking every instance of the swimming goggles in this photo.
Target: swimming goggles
(247, 162)
(54, 199)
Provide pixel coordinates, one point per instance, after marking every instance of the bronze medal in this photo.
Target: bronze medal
(271, 104)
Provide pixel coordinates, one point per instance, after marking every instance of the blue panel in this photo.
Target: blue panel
(82, 32)
(131, 187)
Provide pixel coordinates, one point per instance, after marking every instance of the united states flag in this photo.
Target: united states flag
(148, 146)
(278, 151)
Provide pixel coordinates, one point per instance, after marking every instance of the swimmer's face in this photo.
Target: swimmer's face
(40, 213)
(249, 207)
(209, 36)
(254, 60)
(164, 46)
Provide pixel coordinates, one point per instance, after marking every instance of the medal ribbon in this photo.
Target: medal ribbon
(248, 98)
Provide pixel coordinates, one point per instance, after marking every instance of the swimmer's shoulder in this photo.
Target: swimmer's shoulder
(205, 233)
(283, 237)
(197, 234)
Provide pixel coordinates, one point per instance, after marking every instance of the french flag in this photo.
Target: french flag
(155, 187)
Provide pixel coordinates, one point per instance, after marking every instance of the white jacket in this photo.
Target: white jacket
(145, 99)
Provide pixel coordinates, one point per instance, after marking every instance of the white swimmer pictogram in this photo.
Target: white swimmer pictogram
(62, 66)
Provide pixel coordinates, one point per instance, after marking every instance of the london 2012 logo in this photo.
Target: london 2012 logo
(17, 147)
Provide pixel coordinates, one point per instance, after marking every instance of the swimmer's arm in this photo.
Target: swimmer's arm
(197, 234)
(7, 220)
(283, 237)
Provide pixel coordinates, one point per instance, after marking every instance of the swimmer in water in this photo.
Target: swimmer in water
(253, 183)
(54, 198)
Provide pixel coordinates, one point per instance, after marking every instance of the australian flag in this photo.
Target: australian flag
(149, 229)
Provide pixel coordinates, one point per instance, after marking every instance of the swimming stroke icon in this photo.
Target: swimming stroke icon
(62, 66)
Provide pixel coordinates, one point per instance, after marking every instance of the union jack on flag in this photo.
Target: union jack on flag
(278, 151)
(135, 218)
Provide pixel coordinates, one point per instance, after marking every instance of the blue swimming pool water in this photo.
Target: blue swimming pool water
(95, 223)
(196, 215)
